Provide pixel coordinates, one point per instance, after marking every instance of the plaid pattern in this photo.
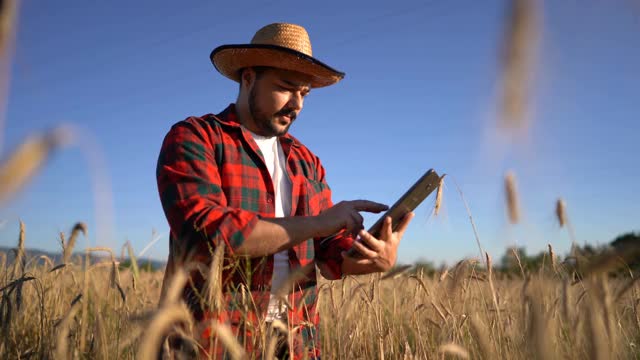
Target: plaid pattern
(214, 187)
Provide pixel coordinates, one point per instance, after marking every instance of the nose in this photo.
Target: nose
(296, 101)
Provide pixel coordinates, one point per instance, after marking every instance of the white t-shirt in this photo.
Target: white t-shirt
(276, 162)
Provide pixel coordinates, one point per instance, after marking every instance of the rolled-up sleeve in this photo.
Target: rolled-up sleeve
(329, 254)
(190, 190)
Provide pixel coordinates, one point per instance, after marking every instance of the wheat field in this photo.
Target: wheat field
(98, 310)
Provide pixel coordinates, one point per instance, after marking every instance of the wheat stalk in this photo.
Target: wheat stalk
(597, 338)
(539, 330)
(552, 256)
(481, 337)
(176, 286)
(492, 287)
(454, 350)
(161, 323)
(68, 247)
(561, 212)
(563, 221)
(473, 225)
(28, 159)
(46, 261)
(518, 53)
(85, 303)
(103, 346)
(436, 209)
(213, 283)
(62, 348)
(513, 207)
(396, 272)
(8, 17)
(225, 335)
(8, 21)
(134, 265)
(272, 341)
(19, 261)
(514, 251)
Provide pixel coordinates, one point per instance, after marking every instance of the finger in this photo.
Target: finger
(405, 223)
(364, 251)
(358, 221)
(373, 243)
(387, 228)
(358, 261)
(368, 206)
(351, 226)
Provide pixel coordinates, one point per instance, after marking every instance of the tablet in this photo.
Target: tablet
(416, 194)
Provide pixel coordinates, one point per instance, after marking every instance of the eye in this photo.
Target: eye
(284, 89)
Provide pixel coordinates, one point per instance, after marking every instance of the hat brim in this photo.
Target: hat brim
(229, 59)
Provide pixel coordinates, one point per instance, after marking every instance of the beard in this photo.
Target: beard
(268, 122)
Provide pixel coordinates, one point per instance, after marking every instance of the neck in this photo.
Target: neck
(244, 115)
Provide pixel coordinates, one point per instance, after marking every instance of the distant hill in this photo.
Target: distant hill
(56, 257)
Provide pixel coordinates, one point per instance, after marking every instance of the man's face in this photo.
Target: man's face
(275, 99)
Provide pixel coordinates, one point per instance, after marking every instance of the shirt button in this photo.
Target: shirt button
(269, 200)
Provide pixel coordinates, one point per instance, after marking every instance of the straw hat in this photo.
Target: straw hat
(281, 45)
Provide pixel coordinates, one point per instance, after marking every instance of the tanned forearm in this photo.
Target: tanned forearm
(277, 234)
(272, 235)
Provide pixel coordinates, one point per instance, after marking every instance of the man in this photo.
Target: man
(240, 181)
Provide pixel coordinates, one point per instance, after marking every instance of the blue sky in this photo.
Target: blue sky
(420, 93)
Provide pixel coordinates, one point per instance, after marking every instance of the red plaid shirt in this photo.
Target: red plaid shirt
(214, 187)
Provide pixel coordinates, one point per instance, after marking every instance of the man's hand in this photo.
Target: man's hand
(346, 214)
(272, 235)
(381, 254)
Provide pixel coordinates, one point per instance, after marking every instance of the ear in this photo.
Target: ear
(247, 77)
